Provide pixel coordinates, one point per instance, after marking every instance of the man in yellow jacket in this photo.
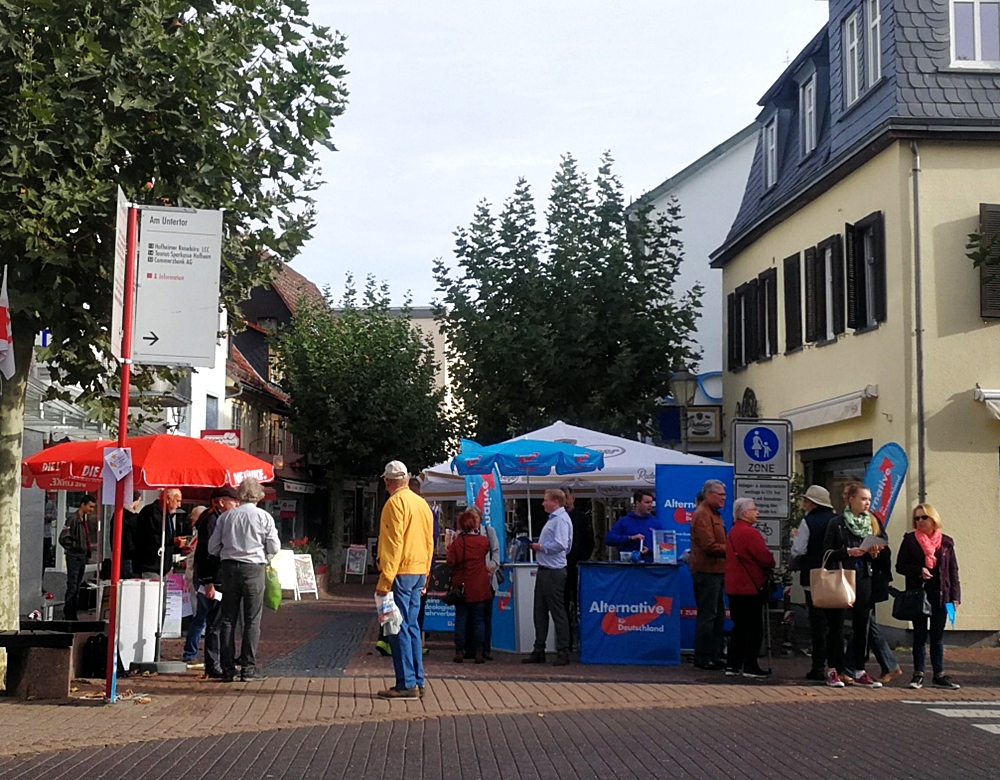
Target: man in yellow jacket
(405, 554)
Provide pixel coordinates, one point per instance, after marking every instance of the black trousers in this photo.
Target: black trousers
(859, 614)
(818, 629)
(550, 599)
(748, 632)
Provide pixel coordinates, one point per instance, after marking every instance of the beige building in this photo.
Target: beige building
(852, 308)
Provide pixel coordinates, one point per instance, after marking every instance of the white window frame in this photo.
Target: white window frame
(874, 41)
(828, 271)
(852, 59)
(770, 148)
(868, 243)
(807, 115)
(977, 62)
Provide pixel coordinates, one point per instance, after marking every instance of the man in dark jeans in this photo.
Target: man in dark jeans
(707, 563)
(808, 548)
(244, 541)
(582, 549)
(75, 540)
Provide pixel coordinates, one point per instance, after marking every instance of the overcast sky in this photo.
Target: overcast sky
(452, 101)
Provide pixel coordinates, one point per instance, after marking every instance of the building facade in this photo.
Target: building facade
(851, 306)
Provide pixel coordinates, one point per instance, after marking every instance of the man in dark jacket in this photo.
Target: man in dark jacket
(208, 616)
(149, 533)
(808, 548)
(582, 549)
(75, 540)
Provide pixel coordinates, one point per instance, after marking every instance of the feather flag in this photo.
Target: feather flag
(6, 338)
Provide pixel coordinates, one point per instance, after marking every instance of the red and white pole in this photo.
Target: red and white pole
(116, 543)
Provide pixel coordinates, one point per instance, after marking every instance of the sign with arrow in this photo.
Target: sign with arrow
(177, 287)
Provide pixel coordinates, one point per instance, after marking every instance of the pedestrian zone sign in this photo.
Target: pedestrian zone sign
(762, 448)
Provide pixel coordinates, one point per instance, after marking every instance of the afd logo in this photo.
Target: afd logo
(625, 618)
(682, 510)
(503, 599)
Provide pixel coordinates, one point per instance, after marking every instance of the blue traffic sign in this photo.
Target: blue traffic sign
(762, 448)
(761, 445)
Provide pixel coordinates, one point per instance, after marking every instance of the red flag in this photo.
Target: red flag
(6, 338)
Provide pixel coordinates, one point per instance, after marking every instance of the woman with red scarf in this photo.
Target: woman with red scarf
(927, 560)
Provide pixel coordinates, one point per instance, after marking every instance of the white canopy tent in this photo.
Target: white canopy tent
(628, 465)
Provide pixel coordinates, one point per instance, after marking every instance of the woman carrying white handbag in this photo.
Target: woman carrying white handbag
(854, 539)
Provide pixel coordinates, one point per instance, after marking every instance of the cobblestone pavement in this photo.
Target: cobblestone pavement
(795, 741)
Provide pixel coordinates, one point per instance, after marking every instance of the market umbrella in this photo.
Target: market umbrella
(526, 458)
(158, 461)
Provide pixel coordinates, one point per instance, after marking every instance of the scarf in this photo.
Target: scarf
(859, 525)
(930, 544)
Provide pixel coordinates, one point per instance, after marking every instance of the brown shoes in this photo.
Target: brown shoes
(399, 693)
(889, 676)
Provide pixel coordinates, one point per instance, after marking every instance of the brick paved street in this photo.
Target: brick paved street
(317, 716)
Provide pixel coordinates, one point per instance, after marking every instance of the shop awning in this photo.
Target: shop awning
(842, 407)
(991, 398)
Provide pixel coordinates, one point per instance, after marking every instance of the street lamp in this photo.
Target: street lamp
(683, 385)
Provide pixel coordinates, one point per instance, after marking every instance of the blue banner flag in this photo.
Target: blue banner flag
(884, 478)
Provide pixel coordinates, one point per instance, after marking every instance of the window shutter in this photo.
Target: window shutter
(837, 287)
(880, 297)
(989, 276)
(819, 280)
(793, 303)
(751, 322)
(855, 299)
(762, 316)
(810, 260)
(736, 329)
(733, 361)
(772, 311)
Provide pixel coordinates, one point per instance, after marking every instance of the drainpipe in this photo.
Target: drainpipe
(918, 324)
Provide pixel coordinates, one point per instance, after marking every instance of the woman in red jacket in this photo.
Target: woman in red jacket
(748, 564)
(467, 556)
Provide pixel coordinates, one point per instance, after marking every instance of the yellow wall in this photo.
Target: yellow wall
(960, 349)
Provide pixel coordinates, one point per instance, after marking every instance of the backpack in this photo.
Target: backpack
(95, 658)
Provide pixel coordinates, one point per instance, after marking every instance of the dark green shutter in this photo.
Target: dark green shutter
(810, 261)
(793, 302)
(989, 276)
(837, 287)
(772, 311)
(880, 293)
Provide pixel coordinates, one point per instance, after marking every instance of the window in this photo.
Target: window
(807, 115)
(237, 416)
(767, 313)
(753, 320)
(874, 42)
(975, 28)
(211, 412)
(793, 302)
(852, 60)
(274, 375)
(866, 284)
(771, 153)
(824, 290)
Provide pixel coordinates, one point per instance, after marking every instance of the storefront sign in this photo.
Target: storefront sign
(228, 437)
(286, 508)
(629, 614)
(299, 487)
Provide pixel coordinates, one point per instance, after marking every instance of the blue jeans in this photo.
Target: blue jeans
(470, 626)
(711, 618)
(197, 627)
(407, 653)
(937, 619)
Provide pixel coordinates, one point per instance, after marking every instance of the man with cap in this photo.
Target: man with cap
(405, 554)
(808, 548)
(208, 616)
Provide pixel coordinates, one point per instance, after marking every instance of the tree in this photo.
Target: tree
(202, 104)
(362, 387)
(582, 324)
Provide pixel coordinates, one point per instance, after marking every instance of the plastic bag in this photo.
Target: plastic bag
(389, 616)
(272, 589)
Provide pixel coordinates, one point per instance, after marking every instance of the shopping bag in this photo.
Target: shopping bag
(389, 616)
(832, 588)
(911, 604)
(272, 589)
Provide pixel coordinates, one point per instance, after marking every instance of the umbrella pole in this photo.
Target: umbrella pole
(163, 585)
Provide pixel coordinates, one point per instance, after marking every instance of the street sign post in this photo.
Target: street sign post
(177, 300)
(762, 448)
(121, 258)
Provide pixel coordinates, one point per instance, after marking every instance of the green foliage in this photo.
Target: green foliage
(204, 105)
(580, 322)
(362, 385)
(983, 252)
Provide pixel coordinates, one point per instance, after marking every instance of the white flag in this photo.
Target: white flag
(6, 339)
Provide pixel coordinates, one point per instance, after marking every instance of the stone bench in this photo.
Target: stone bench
(39, 663)
(81, 630)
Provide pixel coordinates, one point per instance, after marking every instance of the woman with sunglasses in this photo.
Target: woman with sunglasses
(927, 560)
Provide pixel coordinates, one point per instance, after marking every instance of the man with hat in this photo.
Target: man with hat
(808, 548)
(208, 616)
(405, 554)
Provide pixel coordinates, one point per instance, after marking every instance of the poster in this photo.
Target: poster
(356, 560)
(484, 493)
(305, 575)
(174, 606)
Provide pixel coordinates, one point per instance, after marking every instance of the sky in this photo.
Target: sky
(451, 102)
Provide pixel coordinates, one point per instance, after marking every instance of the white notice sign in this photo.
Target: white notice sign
(177, 299)
(121, 245)
(770, 495)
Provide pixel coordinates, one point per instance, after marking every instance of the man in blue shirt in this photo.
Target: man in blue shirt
(553, 543)
(635, 530)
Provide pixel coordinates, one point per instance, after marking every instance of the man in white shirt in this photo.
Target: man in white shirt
(553, 544)
(245, 539)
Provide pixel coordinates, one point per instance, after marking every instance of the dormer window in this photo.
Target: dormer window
(975, 38)
(852, 59)
(770, 145)
(807, 115)
(874, 41)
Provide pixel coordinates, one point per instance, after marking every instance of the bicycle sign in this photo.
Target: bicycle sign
(762, 448)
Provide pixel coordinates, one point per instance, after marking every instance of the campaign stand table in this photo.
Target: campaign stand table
(630, 614)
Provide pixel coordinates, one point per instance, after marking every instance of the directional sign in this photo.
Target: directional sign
(770, 495)
(121, 246)
(762, 448)
(177, 298)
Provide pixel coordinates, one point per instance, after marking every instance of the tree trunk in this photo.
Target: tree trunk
(11, 438)
(335, 527)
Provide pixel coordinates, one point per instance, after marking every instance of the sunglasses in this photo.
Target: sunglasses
(921, 517)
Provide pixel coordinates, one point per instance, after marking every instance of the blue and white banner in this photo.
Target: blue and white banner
(884, 478)
(484, 493)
